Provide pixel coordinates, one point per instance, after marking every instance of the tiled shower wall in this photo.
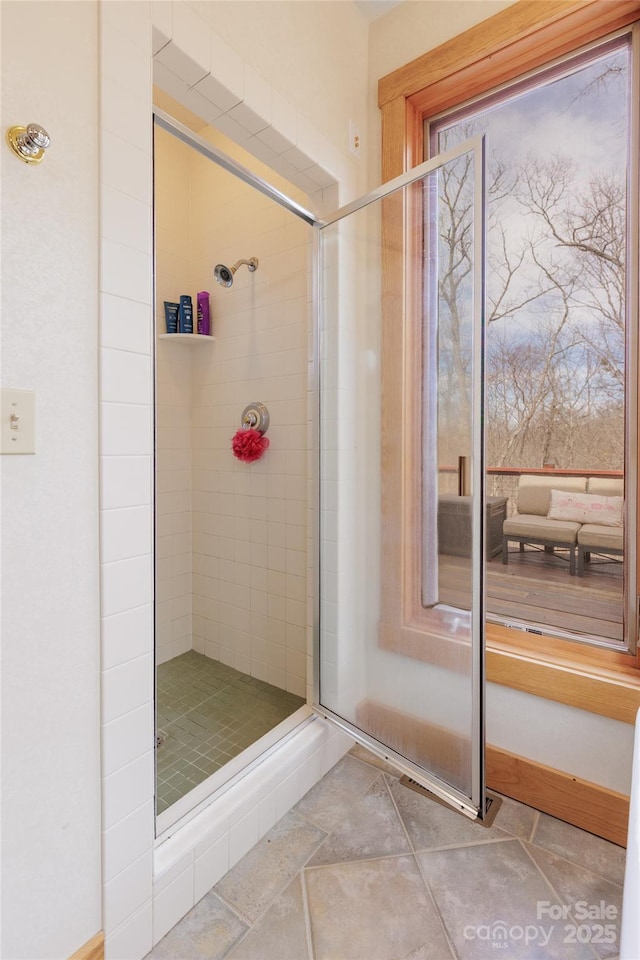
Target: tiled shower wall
(249, 606)
(248, 532)
(173, 407)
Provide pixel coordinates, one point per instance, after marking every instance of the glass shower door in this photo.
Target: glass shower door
(399, 631)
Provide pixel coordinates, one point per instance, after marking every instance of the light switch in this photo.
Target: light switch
(17, 421)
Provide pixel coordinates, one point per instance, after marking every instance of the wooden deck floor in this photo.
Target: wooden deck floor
(537, 588)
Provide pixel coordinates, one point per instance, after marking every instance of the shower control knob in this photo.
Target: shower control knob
(255, 416)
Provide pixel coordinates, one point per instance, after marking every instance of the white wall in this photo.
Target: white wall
(314, 54)
(50, 615)
(581, 743)
(406, 32)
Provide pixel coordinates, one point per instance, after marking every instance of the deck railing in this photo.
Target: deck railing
(503, 481)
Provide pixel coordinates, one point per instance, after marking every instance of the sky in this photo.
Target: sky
(570, 115)
(588, 126)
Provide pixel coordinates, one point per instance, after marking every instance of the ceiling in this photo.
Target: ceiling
(372, 9)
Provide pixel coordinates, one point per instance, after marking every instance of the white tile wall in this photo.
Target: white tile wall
(125, 635)
(134, 937)
(188, 866)
(119, 206)
(126, 447)
(272, 559)
(125, 376)
(248, 522)
(172, 902)
(125, 482)
(126, 738)
(254, 111)
(187, 53)
(225, 86)
(125, 429)
(173, 407)
(128, 788)
(125, 324)
(210, 867)
(127, 840)
(125, 532)
(131, 885)
(125, 271)
(245, 106)
(123, 688)
(243, 610)
(161, 24)
(125, 583)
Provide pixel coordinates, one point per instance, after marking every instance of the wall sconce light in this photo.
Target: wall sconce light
(29, 143)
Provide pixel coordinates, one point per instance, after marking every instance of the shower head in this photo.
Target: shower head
(224, 275)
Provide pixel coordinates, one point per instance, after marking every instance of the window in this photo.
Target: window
(503, 49)
(557, 330)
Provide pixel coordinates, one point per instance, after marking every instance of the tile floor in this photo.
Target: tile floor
(208, 713)
(363, 868)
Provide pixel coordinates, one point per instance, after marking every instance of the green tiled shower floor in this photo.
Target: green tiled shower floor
(206, 714)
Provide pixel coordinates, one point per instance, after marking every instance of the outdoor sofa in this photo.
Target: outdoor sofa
(580, 514)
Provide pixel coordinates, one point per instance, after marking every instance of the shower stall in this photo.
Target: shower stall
(306, 572)
(232, 536)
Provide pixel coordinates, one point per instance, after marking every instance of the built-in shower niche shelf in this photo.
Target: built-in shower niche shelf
(186, 337)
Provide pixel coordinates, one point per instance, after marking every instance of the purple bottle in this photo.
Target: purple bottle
(204, 320)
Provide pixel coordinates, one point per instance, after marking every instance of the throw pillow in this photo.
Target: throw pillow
(585, 508)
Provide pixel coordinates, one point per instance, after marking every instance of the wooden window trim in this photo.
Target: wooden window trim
(521, 38)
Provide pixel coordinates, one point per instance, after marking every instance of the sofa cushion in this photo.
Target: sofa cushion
(534, 492)
(585, 508)
(606, 486)
(600, 538)
(540, 528)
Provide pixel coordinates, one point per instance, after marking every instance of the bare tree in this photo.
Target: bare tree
(555, 312)
(511, 285)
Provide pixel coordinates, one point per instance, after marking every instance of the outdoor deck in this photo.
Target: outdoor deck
(537, 588)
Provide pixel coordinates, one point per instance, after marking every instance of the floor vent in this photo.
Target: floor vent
(493, 801)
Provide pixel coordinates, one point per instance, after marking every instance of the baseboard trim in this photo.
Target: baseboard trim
(92, 950)
(579, 802)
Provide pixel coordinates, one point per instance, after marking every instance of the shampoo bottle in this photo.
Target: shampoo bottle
(204, 318)
(171, 311)
(186, 315)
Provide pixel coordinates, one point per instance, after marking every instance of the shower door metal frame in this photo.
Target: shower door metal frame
(477, 808)
(183, 133)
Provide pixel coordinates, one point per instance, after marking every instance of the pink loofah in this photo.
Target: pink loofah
(248, 445)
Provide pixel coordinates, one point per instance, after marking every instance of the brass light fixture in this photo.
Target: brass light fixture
(29, 143)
